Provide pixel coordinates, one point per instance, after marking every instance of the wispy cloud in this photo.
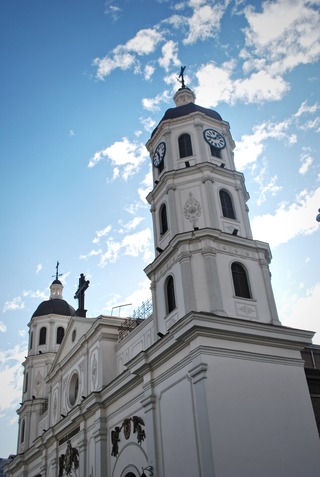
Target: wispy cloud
(11, 376)
(125, 157)
(289, 220)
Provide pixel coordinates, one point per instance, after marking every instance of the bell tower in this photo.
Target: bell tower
(206, 259)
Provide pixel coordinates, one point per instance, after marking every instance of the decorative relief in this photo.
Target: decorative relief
(68, 461)
(192, 210)
(94, 372)
(126, 427)
(249, 311)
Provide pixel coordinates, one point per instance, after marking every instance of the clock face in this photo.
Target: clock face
(214, 138)
(159, 154)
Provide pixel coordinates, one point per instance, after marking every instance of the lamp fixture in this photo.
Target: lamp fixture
(161, 335)
(158, 249)
(187, 163)
(235, 232)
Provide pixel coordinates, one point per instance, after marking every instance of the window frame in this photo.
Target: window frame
(241, 282)
(171, 303)
(226, 202)
(185, 145)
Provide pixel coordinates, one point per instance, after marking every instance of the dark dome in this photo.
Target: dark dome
(186, 109)
(55, 306)
(56, 282)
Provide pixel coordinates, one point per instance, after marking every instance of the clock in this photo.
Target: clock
(159, 154)
(214, 138)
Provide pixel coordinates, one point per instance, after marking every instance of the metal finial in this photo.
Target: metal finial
(57, 275)
(181, 76)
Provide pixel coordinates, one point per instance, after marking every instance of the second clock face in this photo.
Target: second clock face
(214, 138)
(159, 154)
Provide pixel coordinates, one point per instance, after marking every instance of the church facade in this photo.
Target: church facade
(211, 383)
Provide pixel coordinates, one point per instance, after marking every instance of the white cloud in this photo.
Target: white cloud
(153, 104)
(35, 294)
(125, 156)
(147, 185)
(3, 327)
(141, 295)
(205, 21)
(124, 56)
(102, 233)
(293, 39)
(148, 123)
(289, 220)
(215, 84)
(134, 245)
(15, 304)
(92, 253)
(38, 268)
(251, 146)
(306, 160)
(169, 55)
(131, 225)
(11, 376)
(305, 109)
(143, 43)
(148, 71)
(301, 311)
(266, 185)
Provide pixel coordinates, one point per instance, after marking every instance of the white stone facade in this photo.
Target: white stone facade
(210, 384)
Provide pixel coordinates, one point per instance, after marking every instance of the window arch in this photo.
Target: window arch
(60, 334)
(170, 294)
(163, 219)
(43, 336)
(240, 280)
(226, 204)
(185, 146)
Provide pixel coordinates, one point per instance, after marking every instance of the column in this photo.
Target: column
(173, 210)
(83, 457)
(212, 206)
(212, 278)
(202, 146)
(244, 212)
(168, 159)
(267, 282)
(187, 282)
(100, 440)
(149, 405)
(198, 374)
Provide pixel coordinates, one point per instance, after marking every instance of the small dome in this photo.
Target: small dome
(56, 282)
(55, 306)
(186, 109)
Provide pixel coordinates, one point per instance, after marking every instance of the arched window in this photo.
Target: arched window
(43, 336)
(171, 300)
(60, 334)
(185, 146)
(22, 431)
(240, 280)
(163, 219)
(226, 204)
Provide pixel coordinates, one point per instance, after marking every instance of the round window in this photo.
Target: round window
(73, 388)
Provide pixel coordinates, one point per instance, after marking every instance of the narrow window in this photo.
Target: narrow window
(22, 431)
(215, 152)
(226, 204)
(185, 146)
(31, 340)
(26, 378)
(240, 281)
(163, 219)
(171, 301)
(60, 334)
(43, 336)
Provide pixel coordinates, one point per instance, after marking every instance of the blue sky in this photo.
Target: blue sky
(83, 84)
